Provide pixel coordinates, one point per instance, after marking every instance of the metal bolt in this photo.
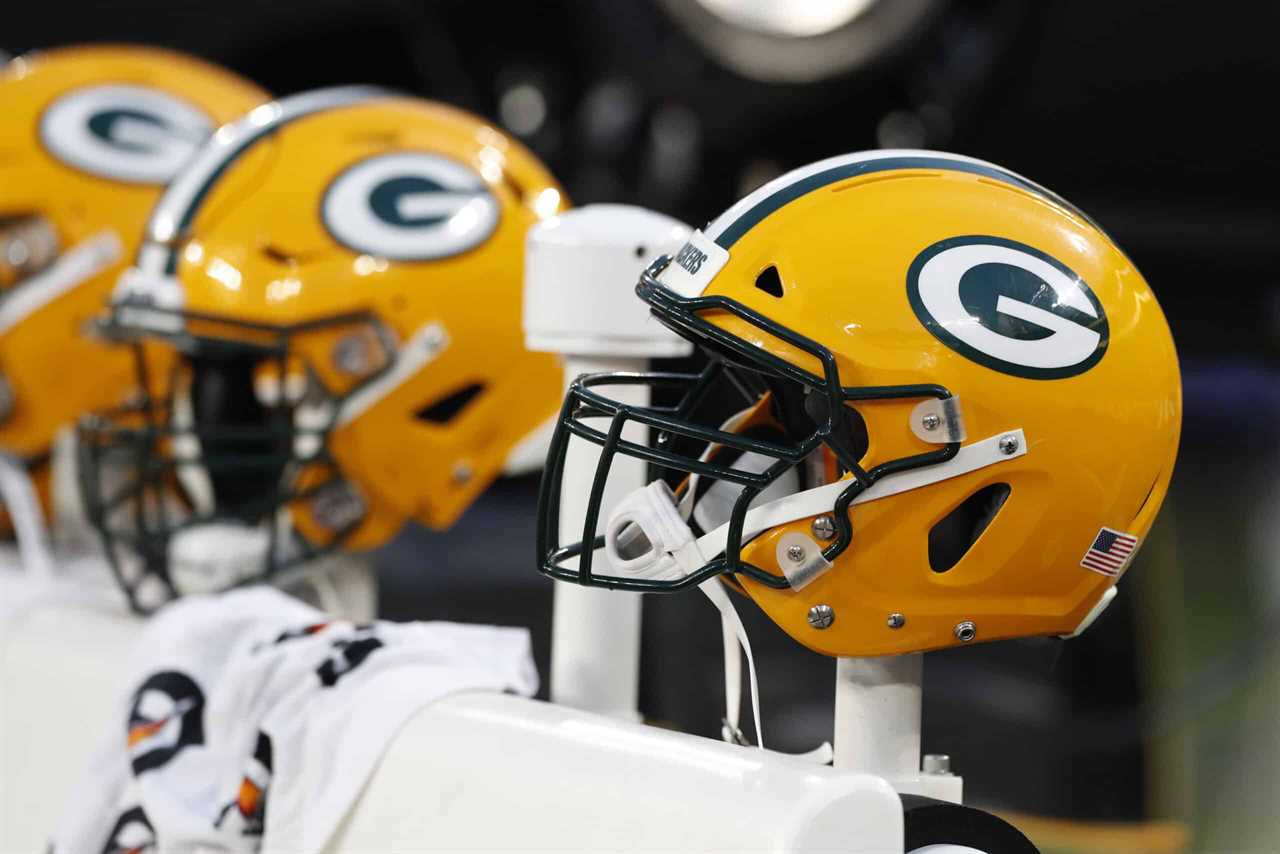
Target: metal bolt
(795, 554)
(462, 473)
(896, 620)
(938, 764)
(966, 631)
(1008, 444)
(824, 527)
(821, 616)
(931, 422)
(353, 354)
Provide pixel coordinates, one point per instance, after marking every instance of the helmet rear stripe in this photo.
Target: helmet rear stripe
(182, 199)
(728, 228)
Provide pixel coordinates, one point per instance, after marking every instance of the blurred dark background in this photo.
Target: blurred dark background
(1157, 117)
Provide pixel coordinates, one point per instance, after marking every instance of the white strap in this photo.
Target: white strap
(19, 497)
(650, 518)
(822, 499)
(715, 506)
(735, 636)
(730, 425)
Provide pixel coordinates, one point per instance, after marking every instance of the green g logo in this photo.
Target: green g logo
(1008, 306)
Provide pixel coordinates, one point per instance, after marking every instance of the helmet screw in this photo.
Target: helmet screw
(931, 422)
(966, 631)
(352, 355)
(896, 620)
(821, 616)
(795, 554)
(1008, 444)
(462, 473)
(824, 527)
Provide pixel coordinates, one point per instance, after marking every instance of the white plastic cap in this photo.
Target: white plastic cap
(580, 275)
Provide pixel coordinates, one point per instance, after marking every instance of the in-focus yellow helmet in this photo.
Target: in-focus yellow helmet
(88, 138)
(958, 411)
(340, 272)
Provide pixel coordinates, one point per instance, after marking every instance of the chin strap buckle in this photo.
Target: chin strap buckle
(647, 537)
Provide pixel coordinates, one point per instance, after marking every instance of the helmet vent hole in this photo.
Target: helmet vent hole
(954, 534)
(770, 282)
(445, 409)
(278, 255)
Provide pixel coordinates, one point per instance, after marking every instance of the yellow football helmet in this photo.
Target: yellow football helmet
(340, 272)
(958, 411)
(91, 136)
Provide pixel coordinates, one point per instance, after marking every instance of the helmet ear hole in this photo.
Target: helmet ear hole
(446, 408)
(770, 282)
(954, 534)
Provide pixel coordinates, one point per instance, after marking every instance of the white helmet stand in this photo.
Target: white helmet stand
(580, 273)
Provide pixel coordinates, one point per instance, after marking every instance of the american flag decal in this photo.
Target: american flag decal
(1110, 552)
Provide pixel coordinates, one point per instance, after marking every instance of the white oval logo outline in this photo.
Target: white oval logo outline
(124, 132)
(1070, 346)
(409, 206)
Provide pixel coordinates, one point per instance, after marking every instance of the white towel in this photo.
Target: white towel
(249, 723)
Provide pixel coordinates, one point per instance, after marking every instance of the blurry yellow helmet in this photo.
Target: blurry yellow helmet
(340, 272)
(90, 137)
(958, 408)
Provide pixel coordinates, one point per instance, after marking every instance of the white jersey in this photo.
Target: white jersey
(250, 722)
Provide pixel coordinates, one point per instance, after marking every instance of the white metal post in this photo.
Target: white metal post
(877, 725)
(878, 714)
(595, 650)
(581, 270)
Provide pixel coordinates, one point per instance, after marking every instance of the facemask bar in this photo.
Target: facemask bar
(683, 315)
(141, 436)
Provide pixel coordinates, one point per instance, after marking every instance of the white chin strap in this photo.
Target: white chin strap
(735, 639)
(650, 521)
